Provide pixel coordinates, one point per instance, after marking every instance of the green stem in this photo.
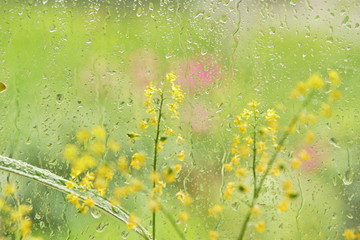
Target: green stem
(254, 161)
(173, 223)
(271, 162)
(156, 142)
(56, 182)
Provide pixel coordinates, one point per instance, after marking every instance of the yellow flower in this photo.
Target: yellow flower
(169, 131)
(160, 185)
(253, 104)
(151, 110)
(308, 118)
(25, 227)
(154, 205)
(181, 156)
(159, 147)
(82, 135)
(287, 185)
(97, 148)
(9, 189)
(284, 205)
(133, 221)
(74, 199)
(99, 132)
(138, 160)
(89, 202)
(242, 172)
(326, 110)
(295, 163)
(70, 184)
(334, 78)
(133, 136)
(21, 212)
(155, 177)
(255, 210)
(171, 172)
(334, 95)
(123, 165)
(228, 167)
(304, 155)
(246, 113)
(70, 152)
(180, 139)
(315, 82)
(213, 235)
(248, 140)
(215, 211)
(105, 172)
(153, 121)
(230, 188)
(300, 90)
(136, 185)
(183, 217)
(243, 188)
(113, 145)
(143, 125)
(349, 234)
(83, 209)
(271, 115)
(260, 226)
(260, 167)
(309, 137)
(170, 77)
(184, 198)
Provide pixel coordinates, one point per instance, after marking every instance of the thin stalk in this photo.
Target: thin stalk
(156, 142)
(254, 160)
(173, 223)
(271, 162)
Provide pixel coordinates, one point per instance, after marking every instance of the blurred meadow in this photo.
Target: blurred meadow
(73, 64)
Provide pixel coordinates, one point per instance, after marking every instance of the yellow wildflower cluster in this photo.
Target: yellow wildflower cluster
(215, 211)
(92, 172)
(257, 135)
(176, 94)
(149, 93)
(256, 146)
(184, 198)
(155, 98)
(289, 194)
(351, 234)
(316, 83)
(14, 220)
(88, 171)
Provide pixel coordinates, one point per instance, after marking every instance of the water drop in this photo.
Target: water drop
(235, 206)
(52, 28)
(59, 98)
(139, 12)
(2, 87)
(346, 19)
(333, 142)
(101, 227)
(348, 177)
(151, 6)
(124, 234)
(95, 213)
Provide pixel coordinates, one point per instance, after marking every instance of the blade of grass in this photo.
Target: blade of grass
(54, 181)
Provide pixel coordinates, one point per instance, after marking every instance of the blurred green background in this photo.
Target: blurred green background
(74, 64)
